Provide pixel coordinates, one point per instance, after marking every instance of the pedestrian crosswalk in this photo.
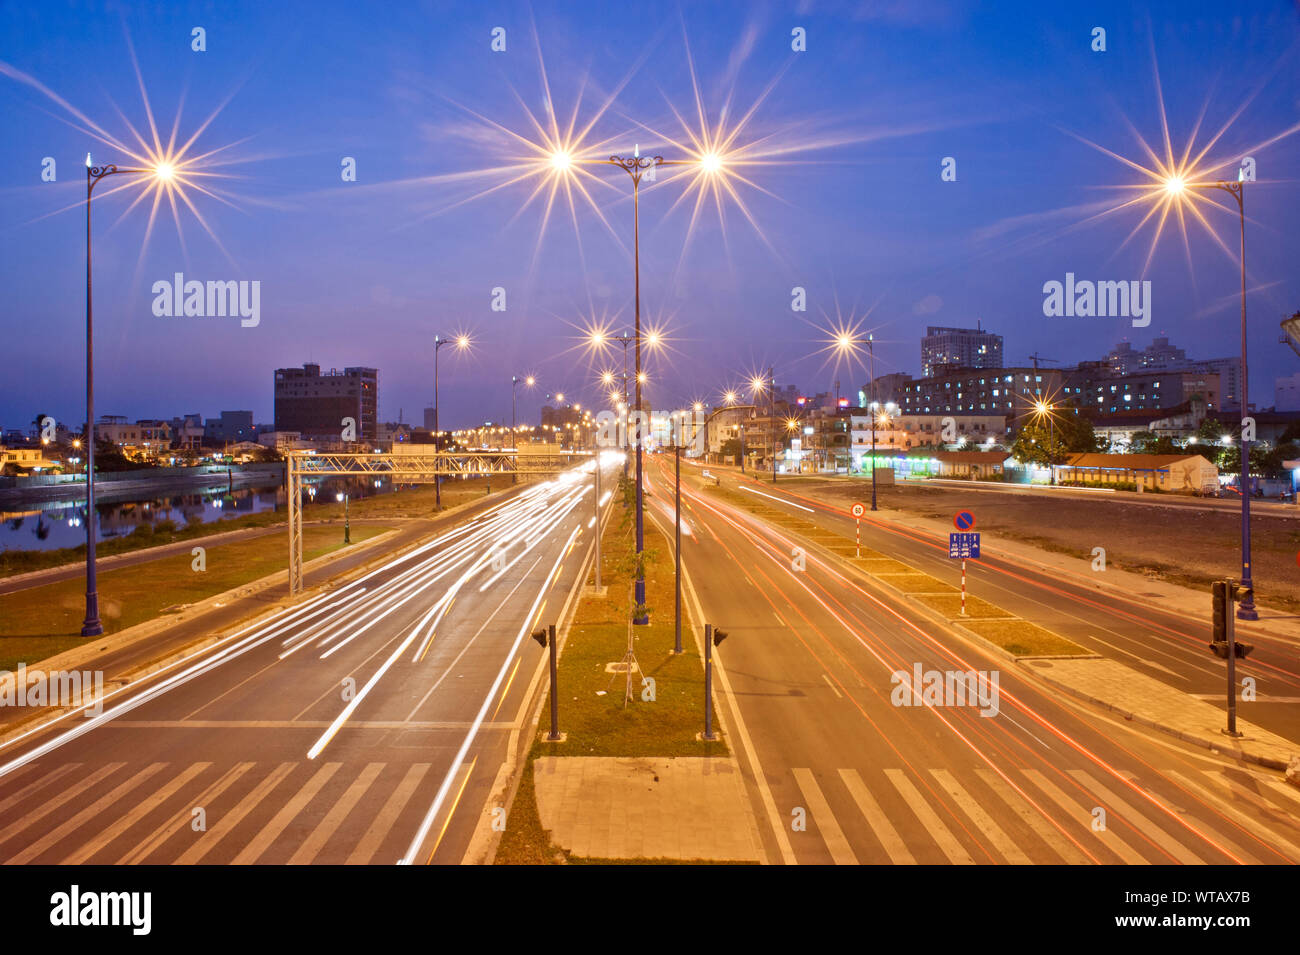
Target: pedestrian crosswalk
(293, 812)
(304, 812)
(1024, 816)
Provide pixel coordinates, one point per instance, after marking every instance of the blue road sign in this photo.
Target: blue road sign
(964, 546)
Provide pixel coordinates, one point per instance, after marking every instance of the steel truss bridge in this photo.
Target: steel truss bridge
(406, 468)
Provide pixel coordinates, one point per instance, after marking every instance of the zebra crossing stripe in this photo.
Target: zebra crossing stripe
(895, 848)
(832, 834)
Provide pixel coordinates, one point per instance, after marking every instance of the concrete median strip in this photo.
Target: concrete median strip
(647, 808)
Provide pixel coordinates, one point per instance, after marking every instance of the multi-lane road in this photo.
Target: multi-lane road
(1170, 647)
(375, 722)
(842, 773)
(348, 728)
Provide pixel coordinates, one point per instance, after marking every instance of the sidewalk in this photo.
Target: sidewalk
(1147, 701)
(685, 808)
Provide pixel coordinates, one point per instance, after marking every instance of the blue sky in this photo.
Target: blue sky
(848, 199)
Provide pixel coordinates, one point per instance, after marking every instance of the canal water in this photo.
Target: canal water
(55, 524)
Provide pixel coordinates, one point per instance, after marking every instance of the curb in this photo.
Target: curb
(1224, 745)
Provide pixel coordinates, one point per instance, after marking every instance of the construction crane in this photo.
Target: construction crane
(1036, 358)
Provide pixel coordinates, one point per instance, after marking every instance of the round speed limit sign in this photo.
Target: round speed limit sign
(858, 510)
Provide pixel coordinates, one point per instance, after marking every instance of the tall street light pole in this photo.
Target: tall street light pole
(514, 438)
(461, 342)
(1246, 609)
(92, 626)
(635, 166)
(771, 415)
(1176, 185)
(871, 352)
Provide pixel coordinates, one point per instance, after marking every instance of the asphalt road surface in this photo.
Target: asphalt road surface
(840, 772)
(349, 728)
(1169, 647)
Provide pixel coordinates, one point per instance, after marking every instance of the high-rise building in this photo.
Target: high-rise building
(887, 388)
(959, 348)
(1010, 392)
(231, 426)
(1286, 393)
(1160, 355)
(315, 404)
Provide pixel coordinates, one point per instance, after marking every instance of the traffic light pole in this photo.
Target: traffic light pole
(1232, 672)
(554, 735)
(547, 639)
(1225, 593)
(709, 735)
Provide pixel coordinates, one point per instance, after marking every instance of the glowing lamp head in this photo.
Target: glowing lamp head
(730, 397)
(1175, 185)
(164, 171)
(699, 406)
(529, 381)
(462, 341)
(711, 163)
(561, 160)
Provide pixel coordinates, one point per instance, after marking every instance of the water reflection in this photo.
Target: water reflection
(57, 524)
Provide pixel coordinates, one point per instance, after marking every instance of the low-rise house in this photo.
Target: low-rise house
(1183, 473)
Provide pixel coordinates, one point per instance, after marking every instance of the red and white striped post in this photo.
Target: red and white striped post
(963, 586)
(858, 510)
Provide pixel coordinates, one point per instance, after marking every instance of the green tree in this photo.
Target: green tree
(1039, 444)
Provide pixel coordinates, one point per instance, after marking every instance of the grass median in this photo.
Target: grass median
(985, 619)
(38, 622)
(591, 699)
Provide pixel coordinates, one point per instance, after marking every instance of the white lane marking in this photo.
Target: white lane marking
(840, 850)
(1138, 821)
(138, 812)
(893, 843)
(1032, 816)
(255, 847)
(832, 686)
(314, 843)
(441, 797)
(779, 500)
(1075, 810)
(929, 818)
(228, 820)
(983, 821)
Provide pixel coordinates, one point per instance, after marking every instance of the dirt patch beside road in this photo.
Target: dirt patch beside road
(1183, 545)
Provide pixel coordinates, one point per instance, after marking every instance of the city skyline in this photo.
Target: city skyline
(337, 259)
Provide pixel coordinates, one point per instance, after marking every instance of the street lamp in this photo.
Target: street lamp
(461, 342)
(347, 524)
(163, 171)
(1176, 186)
(635, 166)
(515, 381)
